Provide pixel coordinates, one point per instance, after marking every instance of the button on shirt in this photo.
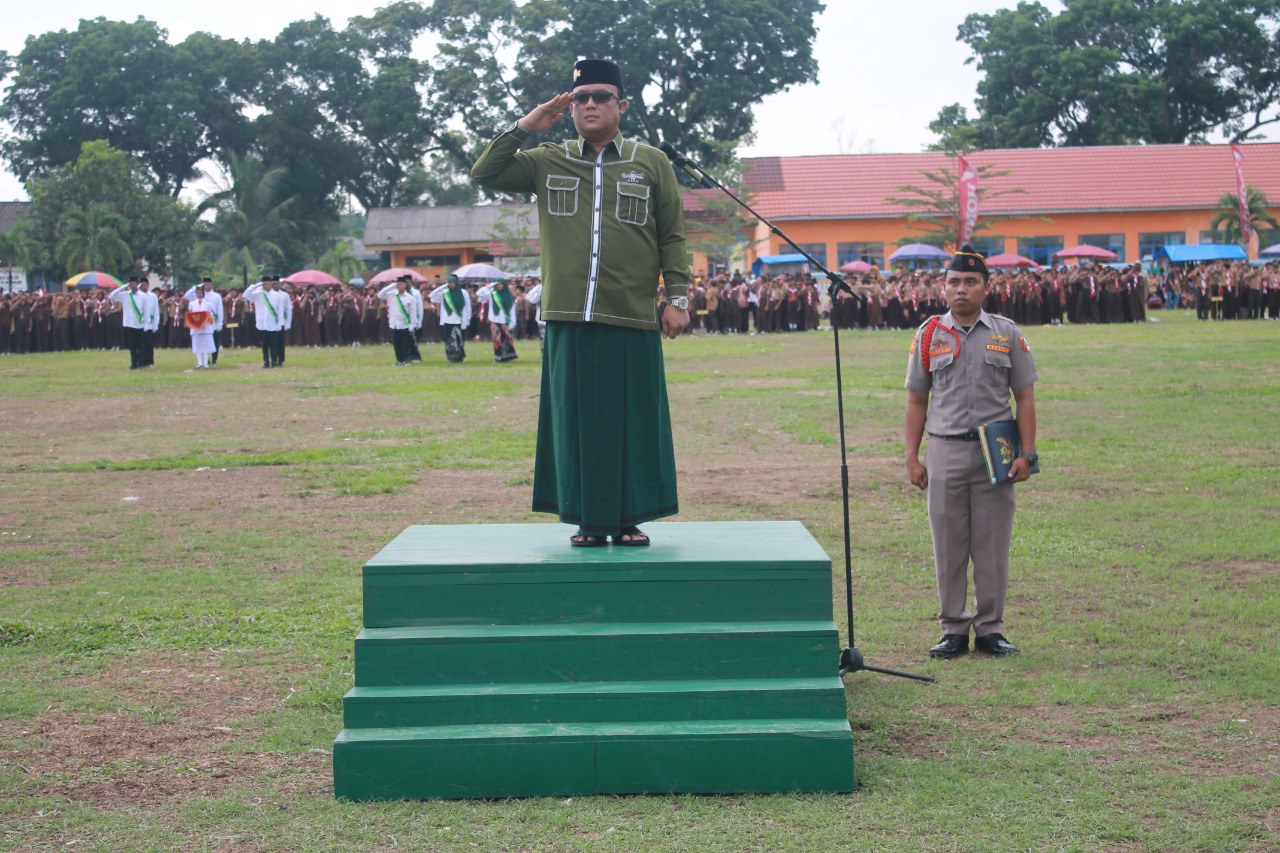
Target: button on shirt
(971, 373)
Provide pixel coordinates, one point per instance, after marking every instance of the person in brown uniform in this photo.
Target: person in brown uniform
(960, 373)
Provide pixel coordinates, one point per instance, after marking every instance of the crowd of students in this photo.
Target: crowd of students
(721, 304)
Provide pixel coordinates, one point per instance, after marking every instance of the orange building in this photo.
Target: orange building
(1131, 200)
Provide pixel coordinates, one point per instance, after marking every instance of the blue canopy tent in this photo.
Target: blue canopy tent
(779, 264)
(1200, 254)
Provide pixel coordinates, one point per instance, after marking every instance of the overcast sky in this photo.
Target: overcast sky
(885, 69)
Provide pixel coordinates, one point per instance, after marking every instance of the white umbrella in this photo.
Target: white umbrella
(487, 272)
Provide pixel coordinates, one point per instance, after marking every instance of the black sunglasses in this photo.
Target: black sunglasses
(599, 97)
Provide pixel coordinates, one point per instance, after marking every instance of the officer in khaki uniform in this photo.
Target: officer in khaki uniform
(960, 373)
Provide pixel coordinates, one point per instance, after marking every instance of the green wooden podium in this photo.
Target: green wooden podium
(497, 661)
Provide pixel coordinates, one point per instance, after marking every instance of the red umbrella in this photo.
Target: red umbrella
(388, 276)
(1084, 250)
(1011, 261)
(310, 277)
(856, 266)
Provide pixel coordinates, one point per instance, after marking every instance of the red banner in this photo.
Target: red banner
(1246, 223)
(968, 201)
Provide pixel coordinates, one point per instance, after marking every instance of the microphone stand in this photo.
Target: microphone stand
(851, 659)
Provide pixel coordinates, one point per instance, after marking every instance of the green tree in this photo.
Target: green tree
(956, 133)
(340, 261)
(717, 224)
(157, 229)
(1226, 219)
(1106, 72)
(251, 227)
(693, 71)
(934, 207)
(514, 229)
(346, 108)
(91, 240)
(169, 107)
(15, 245)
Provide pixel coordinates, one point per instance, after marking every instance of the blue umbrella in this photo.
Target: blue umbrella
(919, 252)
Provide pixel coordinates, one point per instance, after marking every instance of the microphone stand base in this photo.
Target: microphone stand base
(851, 660)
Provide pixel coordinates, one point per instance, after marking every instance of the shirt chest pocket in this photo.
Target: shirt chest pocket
(633, 203)
(562, 195)
(998, 366)
(942, 370)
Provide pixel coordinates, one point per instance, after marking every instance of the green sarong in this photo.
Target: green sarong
(605, 456)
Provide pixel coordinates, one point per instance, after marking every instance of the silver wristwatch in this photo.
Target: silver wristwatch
(680, 303)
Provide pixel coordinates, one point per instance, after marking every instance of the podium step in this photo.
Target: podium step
(498, 661)
(600, 702)
(504, 654)
(707, 757)
(520, 574)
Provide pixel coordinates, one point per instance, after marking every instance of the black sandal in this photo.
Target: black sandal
(586, 540)
(637, 540)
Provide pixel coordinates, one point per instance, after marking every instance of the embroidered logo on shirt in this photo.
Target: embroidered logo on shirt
(998, 348)
(1000, 339)
(633, 177)
(915, 343)
(1025, 347)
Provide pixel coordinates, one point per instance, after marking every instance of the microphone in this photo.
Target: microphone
(683, 163)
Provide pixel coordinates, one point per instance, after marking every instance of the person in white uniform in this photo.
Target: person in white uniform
(199, 320)
(455, 317)
(404, 316)
(502, 315)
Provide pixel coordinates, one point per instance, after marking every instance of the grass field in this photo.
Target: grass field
(180, 559)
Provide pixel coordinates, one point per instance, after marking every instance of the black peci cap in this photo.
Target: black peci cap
(968, 260)
(588, 71)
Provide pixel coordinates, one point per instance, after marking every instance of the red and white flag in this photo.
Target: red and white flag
(968, 200)
(1246, 223)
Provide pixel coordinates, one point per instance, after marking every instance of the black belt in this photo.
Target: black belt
(971, 435)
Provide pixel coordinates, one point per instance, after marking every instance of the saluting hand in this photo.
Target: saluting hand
(543, 116)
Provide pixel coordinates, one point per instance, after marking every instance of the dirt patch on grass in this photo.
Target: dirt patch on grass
(1243, 573)
(1218, 741)
(168, 742)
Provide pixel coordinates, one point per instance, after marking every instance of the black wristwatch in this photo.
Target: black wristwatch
(1033, 458)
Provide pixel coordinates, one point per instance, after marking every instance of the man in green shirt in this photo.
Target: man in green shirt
(611, 226)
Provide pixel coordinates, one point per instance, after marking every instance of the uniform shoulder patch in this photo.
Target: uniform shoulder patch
(1025, 346)
(915, 343)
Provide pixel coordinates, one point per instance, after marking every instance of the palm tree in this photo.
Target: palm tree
(90, 239)
(250, 227)
(1226, 221)
(15, 251)
(340, 261)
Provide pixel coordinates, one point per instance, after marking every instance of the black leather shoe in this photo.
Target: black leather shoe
(950, 646)
(995, 644)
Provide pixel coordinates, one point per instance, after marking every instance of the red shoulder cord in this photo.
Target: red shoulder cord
(926, 340)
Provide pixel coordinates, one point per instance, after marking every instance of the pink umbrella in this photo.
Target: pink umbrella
(1084, 250)
(856, 266)
(310, 277)
(1011, 261)
(388, 276)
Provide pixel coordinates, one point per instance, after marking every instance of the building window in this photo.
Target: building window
(988, 246)
(1111, 242)
(433, 261)
(483, 258)
(872, 253)
(1216, 238)
(818, 250)
(1268, 237)
(1039, 249)
(1149, 242)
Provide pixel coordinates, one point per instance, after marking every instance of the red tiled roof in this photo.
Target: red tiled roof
(1056, 180)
